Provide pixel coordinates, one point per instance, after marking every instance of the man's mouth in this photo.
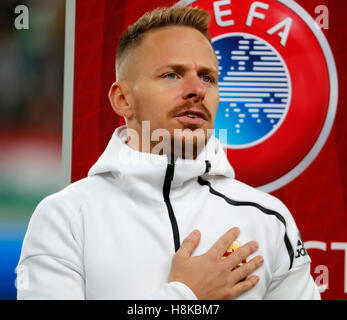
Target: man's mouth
(196, 117)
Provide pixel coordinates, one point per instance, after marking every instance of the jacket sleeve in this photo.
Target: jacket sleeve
(297, 284)
(291, 279)
(50, 263)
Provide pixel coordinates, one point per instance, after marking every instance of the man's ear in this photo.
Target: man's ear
(118, 99)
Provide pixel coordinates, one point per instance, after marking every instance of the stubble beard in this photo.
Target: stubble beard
(185, 143)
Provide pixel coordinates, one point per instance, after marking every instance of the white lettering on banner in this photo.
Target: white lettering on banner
(322, 281)
(282, 28)
(254, 14)
(219, 14)
(321, 22)
(316, 245)
(342, 246)
(286, 24)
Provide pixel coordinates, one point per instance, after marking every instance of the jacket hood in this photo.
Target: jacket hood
(142, 168)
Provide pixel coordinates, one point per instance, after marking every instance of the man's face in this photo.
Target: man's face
(174, 82)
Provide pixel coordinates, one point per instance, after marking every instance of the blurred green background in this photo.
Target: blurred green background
(31, 107)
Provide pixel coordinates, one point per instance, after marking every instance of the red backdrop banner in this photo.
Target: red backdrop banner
(317, 197)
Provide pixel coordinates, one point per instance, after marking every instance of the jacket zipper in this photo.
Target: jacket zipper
(166, 193)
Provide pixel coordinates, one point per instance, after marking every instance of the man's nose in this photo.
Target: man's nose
(194, 89)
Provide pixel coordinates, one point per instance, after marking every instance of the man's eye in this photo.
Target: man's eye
(206, 78)
(171, 76)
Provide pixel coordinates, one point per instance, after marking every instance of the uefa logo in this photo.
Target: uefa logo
(278, 87)
(254, 86)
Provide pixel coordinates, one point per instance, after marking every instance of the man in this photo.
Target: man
(163, 177)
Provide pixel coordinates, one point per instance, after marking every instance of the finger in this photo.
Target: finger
(223, 243)
(243, 286)
(245, 270)
(189, 244)
(241, 254)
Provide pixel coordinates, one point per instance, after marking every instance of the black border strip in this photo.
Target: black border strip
(166, 193)
(258, 206)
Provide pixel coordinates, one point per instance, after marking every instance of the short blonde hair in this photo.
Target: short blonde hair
(162, 17)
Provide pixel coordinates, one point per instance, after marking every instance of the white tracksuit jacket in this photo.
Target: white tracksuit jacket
(112, 235)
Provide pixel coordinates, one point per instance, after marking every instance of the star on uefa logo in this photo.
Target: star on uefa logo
(278, 87)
